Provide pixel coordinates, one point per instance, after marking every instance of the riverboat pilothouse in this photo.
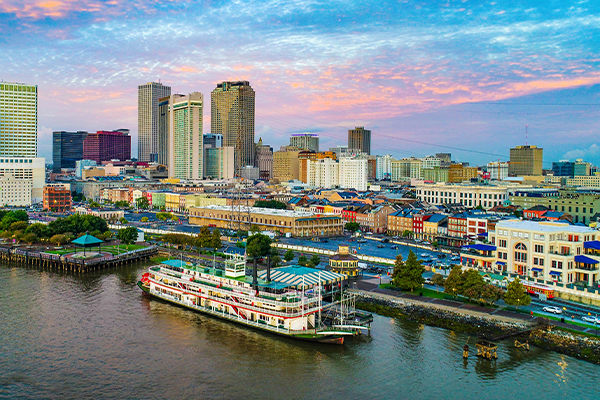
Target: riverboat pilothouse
(290, 305)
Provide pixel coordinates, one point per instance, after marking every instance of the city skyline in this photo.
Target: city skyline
(441, 77)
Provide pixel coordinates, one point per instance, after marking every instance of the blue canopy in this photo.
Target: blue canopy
(555, 273)
(585, 260)
(482, 247)
(177, 263)
(537, 269)
(500, 263)
(594, 244)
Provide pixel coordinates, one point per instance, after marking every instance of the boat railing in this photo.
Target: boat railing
(283, 301)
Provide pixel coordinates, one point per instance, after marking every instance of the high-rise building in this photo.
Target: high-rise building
(148, 116)
(322, 173)
(526, 161)
(185, 143)
(67, 149)
(22, 173)
(219, 163)
(305, 141)
(446, 159)
(307, 155)
(581, 168)
(360, 138)
(353, 173)
(107, 145)
(232, 115)
(264, 160)
(285, 164)
(18, 120)
(384, 167)
(212, 140)
(497, 170)
(563, 168)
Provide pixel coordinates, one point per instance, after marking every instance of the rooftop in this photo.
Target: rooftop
(543, 226)
(259, 210)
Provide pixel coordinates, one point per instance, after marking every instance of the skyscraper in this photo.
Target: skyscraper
(107, 145)
(148, 96)
(18, 120)
(264, 160)
(359, 138)
(305, 141)
(232, 115)
(184, 121)
(526, 161)
(67, 149)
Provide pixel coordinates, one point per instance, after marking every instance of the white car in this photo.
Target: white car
(593, 320)
(552, 309)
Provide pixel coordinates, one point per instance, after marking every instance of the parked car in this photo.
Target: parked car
(428, 281)
(593, 320)
(552, 309)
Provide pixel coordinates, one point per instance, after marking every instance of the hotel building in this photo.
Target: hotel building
(148, 116)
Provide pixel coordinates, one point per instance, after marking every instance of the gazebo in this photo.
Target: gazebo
(87, 240)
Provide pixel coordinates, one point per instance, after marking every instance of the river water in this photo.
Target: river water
(98, 336)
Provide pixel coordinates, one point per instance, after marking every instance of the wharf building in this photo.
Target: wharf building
(107, 146)
(559, 256)
(180, 134)
(305, 141)
(264, 160)
(148, 120)
(360, 138)
(67, 149)
(232, 115)
(296, 223)
(526, 161)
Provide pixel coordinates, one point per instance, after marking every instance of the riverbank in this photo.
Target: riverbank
(485, 326)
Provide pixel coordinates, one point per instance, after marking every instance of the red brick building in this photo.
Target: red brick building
(107, 145)
(57, 198)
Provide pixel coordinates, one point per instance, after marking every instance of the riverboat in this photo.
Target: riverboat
(292, 310)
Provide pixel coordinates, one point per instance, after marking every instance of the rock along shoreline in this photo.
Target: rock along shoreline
(572, 344)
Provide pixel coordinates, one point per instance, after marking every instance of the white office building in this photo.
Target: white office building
(353, 173)
(323, 173)
(383, 167)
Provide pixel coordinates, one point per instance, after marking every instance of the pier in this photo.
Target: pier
(65, 263)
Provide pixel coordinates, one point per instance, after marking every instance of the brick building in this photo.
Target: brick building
(107, 145)
(57, 198)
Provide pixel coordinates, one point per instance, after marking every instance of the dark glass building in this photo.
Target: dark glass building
(67, 148)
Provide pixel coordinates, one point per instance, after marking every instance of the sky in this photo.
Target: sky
(472, 78)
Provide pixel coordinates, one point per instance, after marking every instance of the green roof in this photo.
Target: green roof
(87, 240)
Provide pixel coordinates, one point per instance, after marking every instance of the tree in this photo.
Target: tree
(203, 239)
(410, 273)
(453, 283)
(58, 239)
(315, 260)
(352, 226)
(142, 202)
(215, 240)
(406, 233)
(515, 294)
(94, 204)
(123, 221)
(275, 260)
(174, 218)
(122, 204)
(469, 279)
(30, 238)
(398, 265)
(18, 226)
(278, 205)
(302, 260)
(127, 235)
(437, 280)
(491, 294)
(258, 246)
(144, 219)
(254, 229)
(289, 255)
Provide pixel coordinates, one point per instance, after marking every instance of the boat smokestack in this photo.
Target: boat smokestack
(254, 275)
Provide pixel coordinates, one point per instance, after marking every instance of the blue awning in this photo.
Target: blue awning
(500, 263)
(585, 260)
(482, 247)
(594, 244)
(537, 269)
(555, 273)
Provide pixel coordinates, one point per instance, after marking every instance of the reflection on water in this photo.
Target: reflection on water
(69, 335)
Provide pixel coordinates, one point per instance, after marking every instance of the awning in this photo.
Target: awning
(585, 260)
(537, 269)
(594, 244)
(555, 273)
(500, 263)
(482, 247)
